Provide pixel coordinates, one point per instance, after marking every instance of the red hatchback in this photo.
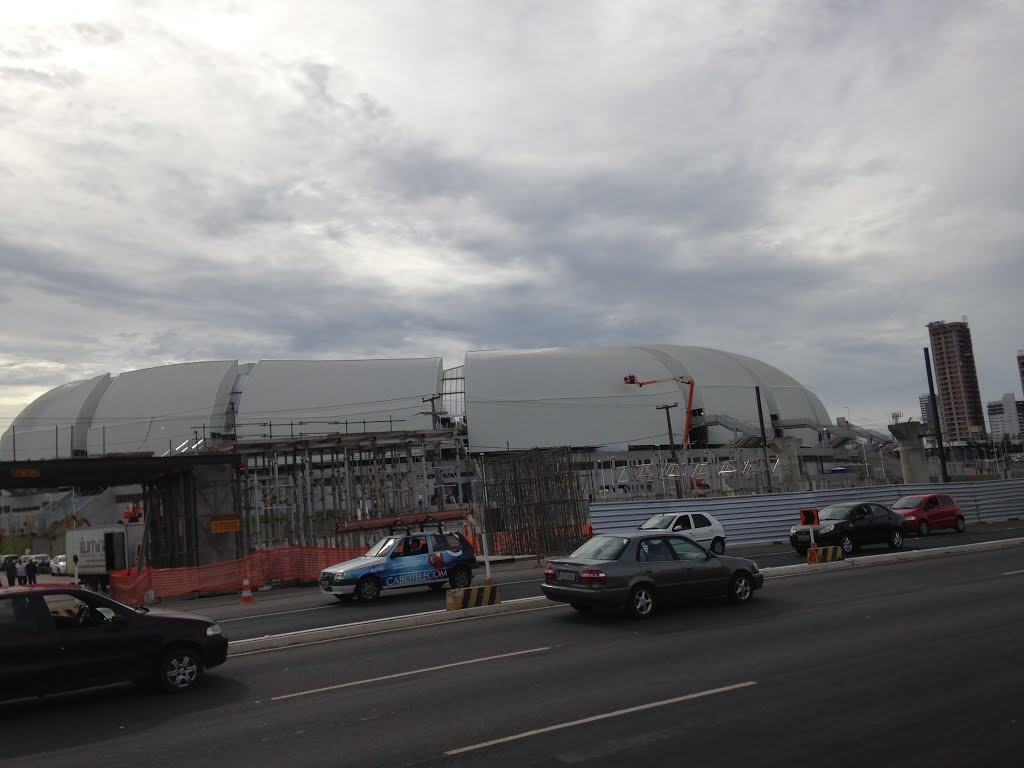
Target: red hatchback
(926, 512)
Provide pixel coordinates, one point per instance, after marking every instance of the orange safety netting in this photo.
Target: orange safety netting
(259, 568)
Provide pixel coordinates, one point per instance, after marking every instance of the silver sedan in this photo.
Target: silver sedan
(640, 570)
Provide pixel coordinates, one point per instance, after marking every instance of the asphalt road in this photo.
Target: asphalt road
(293, 609)
(918, 663)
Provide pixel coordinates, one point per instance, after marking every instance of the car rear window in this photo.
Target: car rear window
(602, 548)
(699, 521)
(947, 501)
(910, 502)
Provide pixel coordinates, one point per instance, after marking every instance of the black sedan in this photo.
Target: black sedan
(61, 638)
(850, 526)
(643, 569)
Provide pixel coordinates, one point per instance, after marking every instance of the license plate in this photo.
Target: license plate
(566, 575)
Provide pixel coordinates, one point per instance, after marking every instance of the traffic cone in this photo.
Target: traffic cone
(246, 593)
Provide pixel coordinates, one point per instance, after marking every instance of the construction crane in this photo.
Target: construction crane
(635, 380)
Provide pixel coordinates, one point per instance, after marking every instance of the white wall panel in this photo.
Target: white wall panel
(316, 397)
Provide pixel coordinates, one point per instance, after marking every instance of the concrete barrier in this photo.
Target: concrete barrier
(472, 597)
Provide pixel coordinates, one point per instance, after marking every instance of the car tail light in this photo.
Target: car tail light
(593, 576)
(549, 573)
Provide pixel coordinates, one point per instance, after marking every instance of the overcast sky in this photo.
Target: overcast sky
(809, 183)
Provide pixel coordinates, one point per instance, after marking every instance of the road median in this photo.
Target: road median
(428, 618)
(374, 626)
(805, 569)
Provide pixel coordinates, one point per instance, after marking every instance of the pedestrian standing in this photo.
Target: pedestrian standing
(22, 576)
(12, 573)
(31, 570)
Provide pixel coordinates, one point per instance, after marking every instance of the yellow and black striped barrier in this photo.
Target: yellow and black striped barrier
(824, 554)
(472, 597)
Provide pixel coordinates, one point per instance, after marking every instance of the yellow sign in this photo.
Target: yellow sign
(225, 524)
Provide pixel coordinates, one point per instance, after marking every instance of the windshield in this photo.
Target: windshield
(835, 512)
(382, 546)
(910, 502)
(602, 548)
(657, 523)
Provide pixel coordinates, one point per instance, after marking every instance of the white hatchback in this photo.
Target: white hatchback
(699, 526)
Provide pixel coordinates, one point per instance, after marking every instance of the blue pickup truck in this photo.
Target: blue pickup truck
(421, 559)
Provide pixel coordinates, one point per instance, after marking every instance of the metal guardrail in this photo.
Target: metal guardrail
(768, 517)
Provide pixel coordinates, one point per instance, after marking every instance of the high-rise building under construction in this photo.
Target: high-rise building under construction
(956, 381)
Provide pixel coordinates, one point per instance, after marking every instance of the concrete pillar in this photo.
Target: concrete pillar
(786, 448)
(912, 459)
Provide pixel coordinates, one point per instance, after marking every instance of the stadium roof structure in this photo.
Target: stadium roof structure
(578, 396)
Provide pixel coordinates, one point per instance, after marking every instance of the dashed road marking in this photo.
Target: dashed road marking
(595, 718)
(410, 673)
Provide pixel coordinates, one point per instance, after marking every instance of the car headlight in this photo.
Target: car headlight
(910, 518)
(793, 529)
(827, 529)
(213, 629)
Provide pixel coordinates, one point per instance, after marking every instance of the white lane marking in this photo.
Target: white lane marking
(1012, 573)
(605, 716)
(278, 613)
(410, 673)
(292, 646)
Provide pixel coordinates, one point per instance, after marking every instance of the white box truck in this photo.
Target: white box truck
(92, 553)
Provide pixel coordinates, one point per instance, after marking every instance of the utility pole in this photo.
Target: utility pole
(935, 416)
(764, 439)
(672, 444)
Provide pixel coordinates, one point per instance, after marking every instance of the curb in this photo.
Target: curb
(803, 569)
(375, 626)
(524, 604)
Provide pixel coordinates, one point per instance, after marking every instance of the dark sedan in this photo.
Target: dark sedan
(850, 526)
(59, 638)
(643, 569)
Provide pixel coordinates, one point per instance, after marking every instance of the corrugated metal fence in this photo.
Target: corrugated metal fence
(754, 519)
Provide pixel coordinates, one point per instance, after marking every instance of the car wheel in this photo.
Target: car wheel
(641, 601)
(368, 589)
(718, 547)
(846, 543)
(344, 598)
(741, 588)
(896, 539)
(923, 528)
(801, 551)
(961, 524)
(179, 670)
(460, 578)
(582, 608)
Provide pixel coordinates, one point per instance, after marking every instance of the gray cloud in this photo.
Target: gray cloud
(808, 184)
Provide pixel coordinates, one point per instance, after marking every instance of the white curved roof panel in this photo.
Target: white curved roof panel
(576, 396)
(160, 410)
(55, 424)
(282, 398)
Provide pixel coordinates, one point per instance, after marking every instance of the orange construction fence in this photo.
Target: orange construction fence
(260, 568)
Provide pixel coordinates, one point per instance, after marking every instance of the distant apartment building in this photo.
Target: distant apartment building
(1006, 417)
(956, 381)
(1020, 368)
